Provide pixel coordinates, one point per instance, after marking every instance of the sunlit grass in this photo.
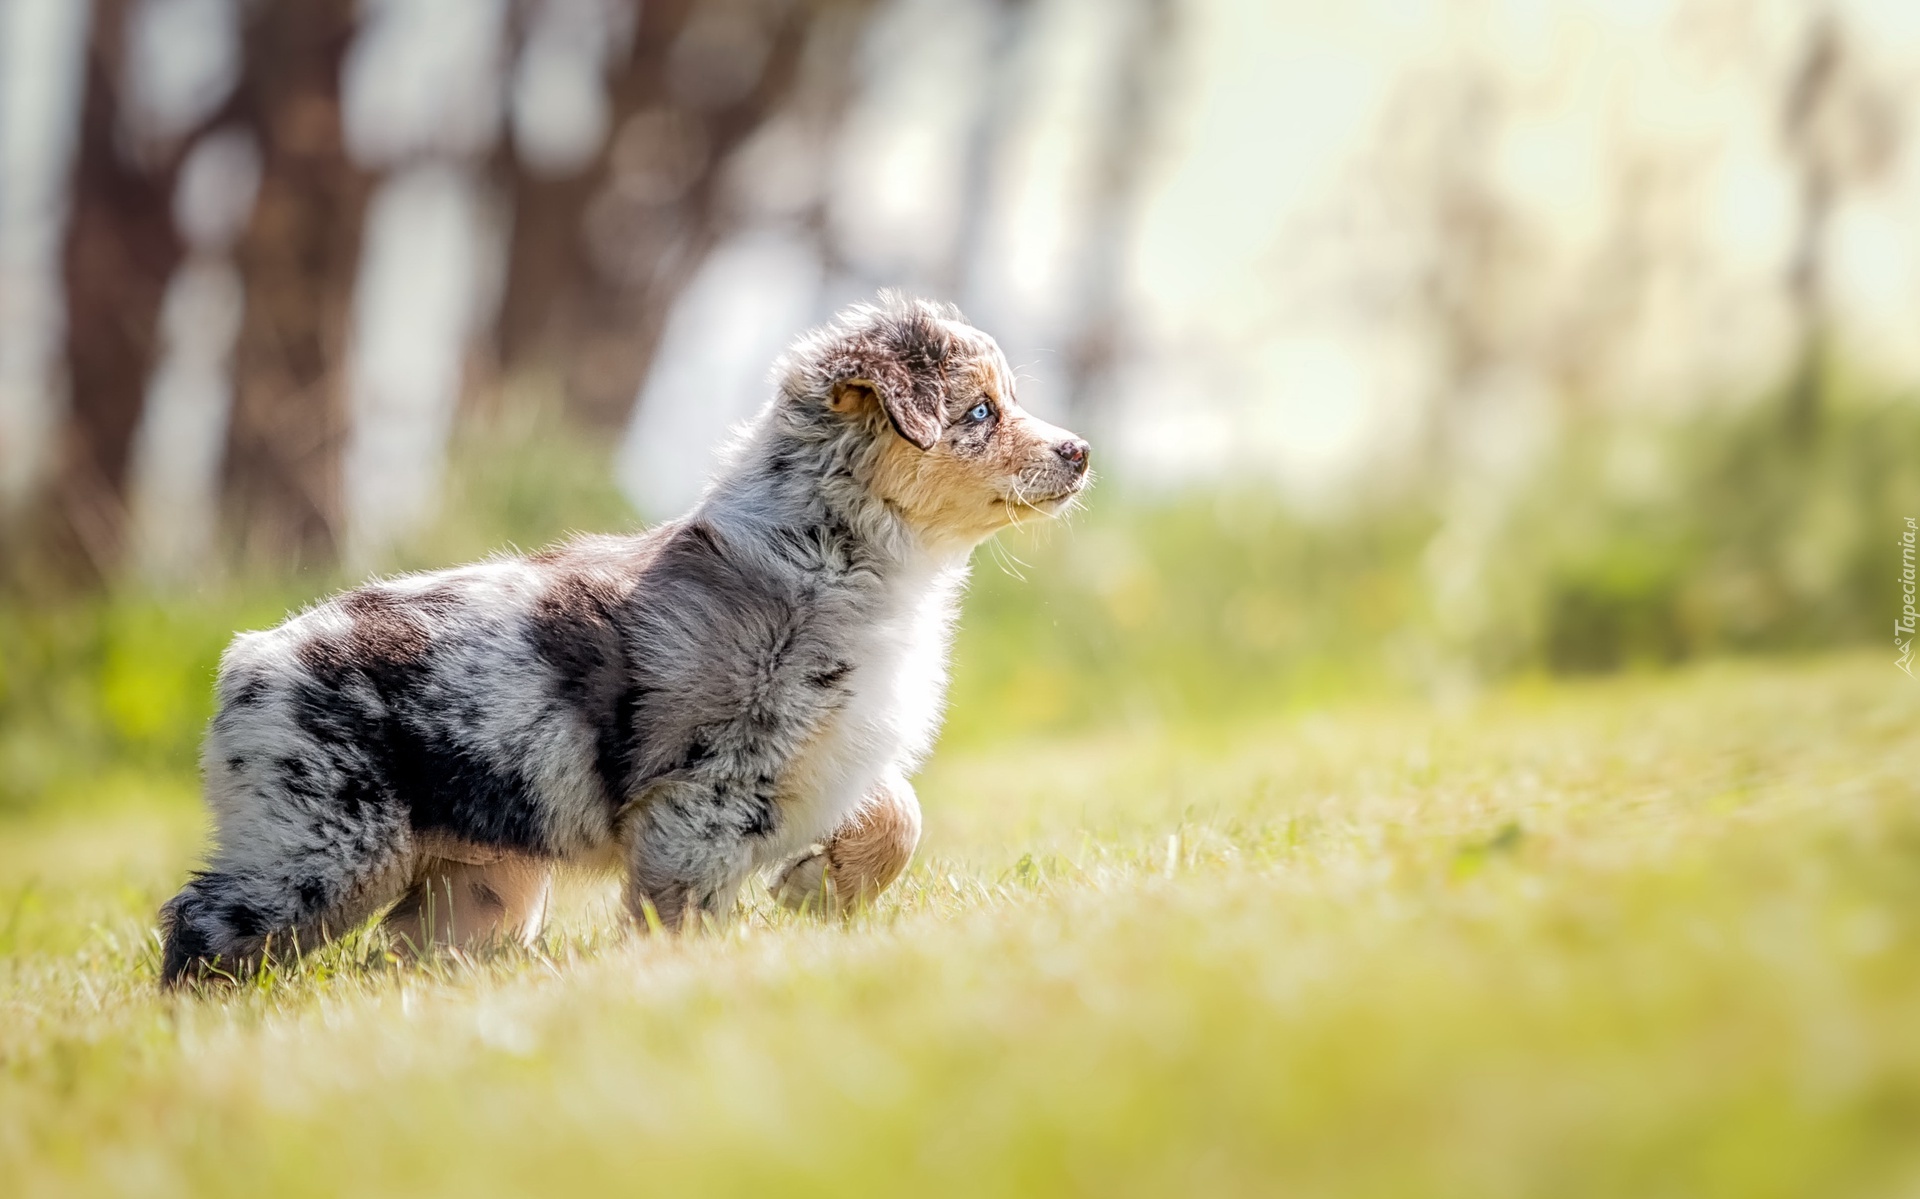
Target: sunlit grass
(1657, 935)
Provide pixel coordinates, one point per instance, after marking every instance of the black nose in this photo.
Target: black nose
(1074, 451)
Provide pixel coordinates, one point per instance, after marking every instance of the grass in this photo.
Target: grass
(1650, 935)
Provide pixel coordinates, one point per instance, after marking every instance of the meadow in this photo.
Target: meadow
(1230, 885)
(1650, 936)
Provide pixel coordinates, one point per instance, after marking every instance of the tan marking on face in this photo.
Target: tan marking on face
(980, 477)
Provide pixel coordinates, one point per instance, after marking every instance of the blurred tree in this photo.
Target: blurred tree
(1839, 130)
(994, 121)
(1464, 242)
(598, 254)
(121, 248)
(1123, 144)
(544, 254)
(1589, 332)
(822, 91)
(297, 258)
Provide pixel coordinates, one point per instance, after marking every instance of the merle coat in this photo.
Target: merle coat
(694, 702)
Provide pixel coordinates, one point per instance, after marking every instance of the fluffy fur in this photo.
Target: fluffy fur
(746, 688)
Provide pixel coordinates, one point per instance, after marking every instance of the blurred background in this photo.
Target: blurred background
(1422, 345)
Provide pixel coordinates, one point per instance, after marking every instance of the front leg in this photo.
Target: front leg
(688, 850)
(863, 856)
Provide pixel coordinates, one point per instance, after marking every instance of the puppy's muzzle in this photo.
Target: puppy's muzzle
(1072, 453)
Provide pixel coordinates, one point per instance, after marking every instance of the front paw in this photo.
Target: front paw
(807, 885)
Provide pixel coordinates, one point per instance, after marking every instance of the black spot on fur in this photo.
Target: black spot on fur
(698, 753)
(245, 919)
(830, 677)
(760, 817)
(575, 628)
(453, 789)
(616, 745)
(355, 797)
(297, 780)
(347, 725)
(388, 751)
(313, 896)
(249, 690)
(367, 744)
(697, 539)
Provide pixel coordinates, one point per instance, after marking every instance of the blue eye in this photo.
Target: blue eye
(979, 412)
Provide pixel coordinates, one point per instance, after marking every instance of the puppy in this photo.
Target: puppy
(746, 688)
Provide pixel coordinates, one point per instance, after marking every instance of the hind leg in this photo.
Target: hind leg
(863, 856)
(282, 891)
(468, 904)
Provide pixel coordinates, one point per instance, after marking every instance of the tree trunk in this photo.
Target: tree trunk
(594, 266)
(993, 122)
(1124, 141)
(298, 257)
(1811, 92)
(548, 261)
(121, 249)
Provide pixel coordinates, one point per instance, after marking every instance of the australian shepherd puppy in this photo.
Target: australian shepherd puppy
(746, 688)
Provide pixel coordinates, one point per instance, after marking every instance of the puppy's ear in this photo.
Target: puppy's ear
(885, 369)
(914, 417)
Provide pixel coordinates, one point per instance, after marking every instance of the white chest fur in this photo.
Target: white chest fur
(896, 695)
